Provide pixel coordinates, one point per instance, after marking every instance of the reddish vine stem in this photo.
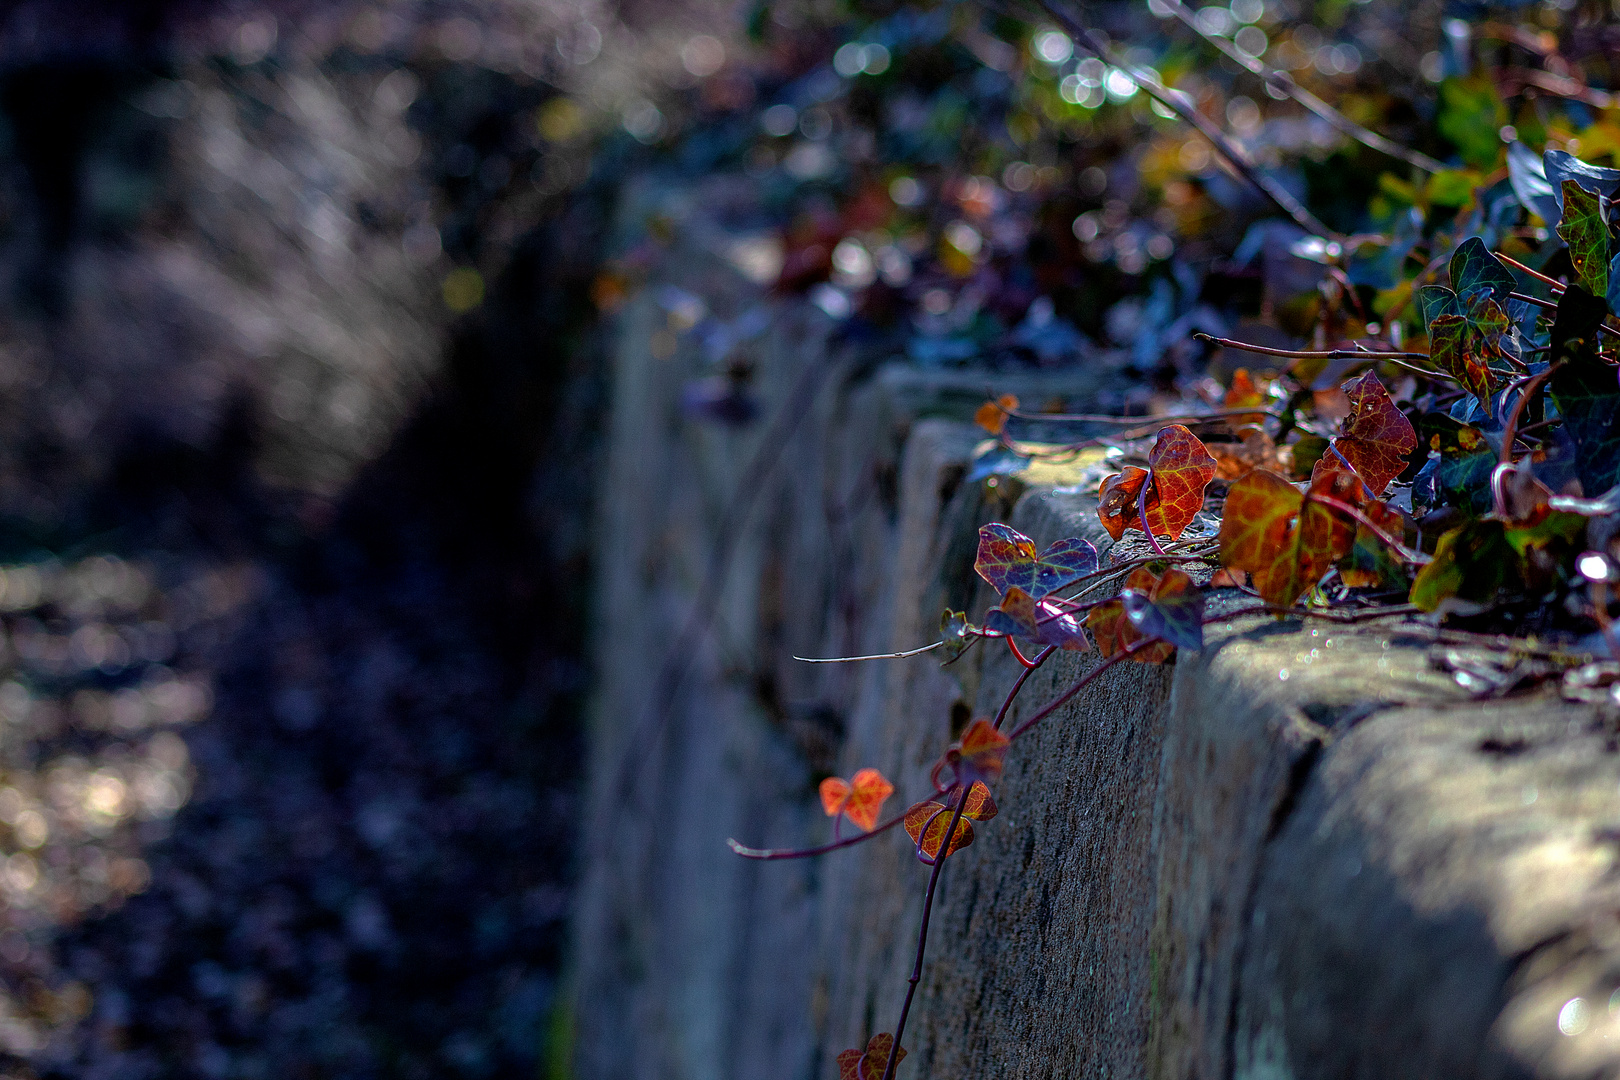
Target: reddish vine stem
(1022, 659)
(1126, 421)
(1416, 558)
(1551, 283)
(1001, 714)
(1141, 512)
(922, 932)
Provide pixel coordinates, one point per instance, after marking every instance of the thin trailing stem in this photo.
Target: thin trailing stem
(1001, 714)
(874, 656)
(1090, 41)
(922, 933)
(1283, 82)
(1551, 283)
(1308, 354)
(1139, 421)
(1022, 659)
(774, 854)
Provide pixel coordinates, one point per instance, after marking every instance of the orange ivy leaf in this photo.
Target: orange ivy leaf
(1114, 632)
(1179, 469)
(870, 1064)
(992, 415)
(926, 824)
(980, 752)
(859, 798)
(1377, 436)
(1283, 537)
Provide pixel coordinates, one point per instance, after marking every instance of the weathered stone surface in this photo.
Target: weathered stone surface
(1305, 851)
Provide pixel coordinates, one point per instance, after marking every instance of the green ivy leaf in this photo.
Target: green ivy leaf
(1437, 300)
(1475, 271)
(1585, 229)
(1474, 562)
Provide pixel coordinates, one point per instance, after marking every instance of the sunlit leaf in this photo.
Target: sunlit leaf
(1007, 560)
(1282, 537)
(860, 798)
(1586, 390)
(1172, 610)
(1559, 166)
(871, 1063)
(1476, 272)
(1586, 231)
(1113, 630)
(1040, 621)
(1377, 436)
(926, 824)
(1179, 469)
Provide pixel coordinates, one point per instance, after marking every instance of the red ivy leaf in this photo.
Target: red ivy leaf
(1113, 630)
(1007, 560)
(1172, 610)
(979, 754)
(1243, 392)
(871, 1063)
(1042, 622)
(860, 798)
(1285, 539)
(1179, 469)
(1377, 436)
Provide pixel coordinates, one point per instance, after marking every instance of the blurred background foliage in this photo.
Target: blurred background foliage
(300, 390)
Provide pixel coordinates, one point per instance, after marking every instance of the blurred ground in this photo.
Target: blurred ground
(296, 438)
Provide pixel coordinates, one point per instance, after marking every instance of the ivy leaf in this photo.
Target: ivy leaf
(1007, 560)
(1457, 350)
(860, 798)
(1559, 165)
(992, 415)
(1473, 562)
(1283, 537)
(1040, 621)
(979, 754)
(1377, 436)
(1528, 176)
(1437, 300)
(1113, 630)
(1475, 271)
(1586, 390)
(1370, 564)
(955, 631)
(1585, 229)
(871, 1063)
(1180, 467)
(926, 824)
(1172, 610)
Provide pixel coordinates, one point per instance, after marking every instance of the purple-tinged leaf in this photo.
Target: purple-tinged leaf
(1173, 610)
(1007, 560)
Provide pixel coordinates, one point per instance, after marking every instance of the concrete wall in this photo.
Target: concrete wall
(1305, 851)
